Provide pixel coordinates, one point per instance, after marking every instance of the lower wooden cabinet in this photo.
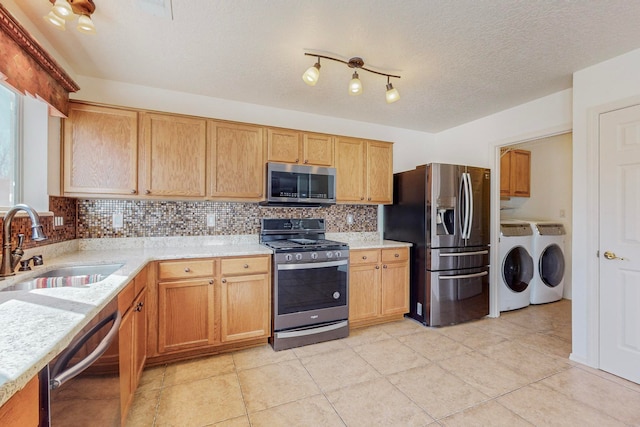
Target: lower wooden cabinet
(378, 285)
(22, 410)
(211, 302)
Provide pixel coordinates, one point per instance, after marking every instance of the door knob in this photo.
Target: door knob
(611, 255)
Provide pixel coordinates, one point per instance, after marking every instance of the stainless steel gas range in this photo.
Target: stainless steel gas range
(310, 282)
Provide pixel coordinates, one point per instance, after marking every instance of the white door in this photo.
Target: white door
(620, 242)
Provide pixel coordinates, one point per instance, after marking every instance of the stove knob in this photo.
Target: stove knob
(329, 254)
(288, 257)
(314, 255)
(298, 257)
(336, 295)
(338, 254)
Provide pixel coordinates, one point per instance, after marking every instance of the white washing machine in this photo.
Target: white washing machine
(548, 255)
(517, 269)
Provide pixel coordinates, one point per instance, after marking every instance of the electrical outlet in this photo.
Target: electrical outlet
(350, 219)
(58, 221)
(562, 213)
(118, 220)
(211, 220)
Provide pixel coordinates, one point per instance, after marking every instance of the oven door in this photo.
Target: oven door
(310, 293)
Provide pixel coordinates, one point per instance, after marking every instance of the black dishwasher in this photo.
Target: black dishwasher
(81, 386)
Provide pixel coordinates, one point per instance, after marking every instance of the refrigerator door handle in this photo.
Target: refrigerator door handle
(485, 252)
(470, 204)
(464, 276)
(464, 191)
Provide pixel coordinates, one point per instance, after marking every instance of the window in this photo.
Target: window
(9, 143)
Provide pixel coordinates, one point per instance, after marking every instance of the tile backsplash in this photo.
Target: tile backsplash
(146, 218)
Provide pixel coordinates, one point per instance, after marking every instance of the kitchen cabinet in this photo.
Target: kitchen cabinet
(132, 339)
(245, 307)
(22, 410)
(378, 285)
(364, 171)
(173, 161)
(515, 173)
(100, 151)
(205, 304)
(291, 146)
(237, 162)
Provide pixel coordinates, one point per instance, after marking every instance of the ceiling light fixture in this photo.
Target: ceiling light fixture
(63, 10)
(312, 75)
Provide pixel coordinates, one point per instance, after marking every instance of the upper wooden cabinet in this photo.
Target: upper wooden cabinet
(515, 173)
(100, 149)
(364, 171)
(237, 163)
(174, 155)
(291, 146)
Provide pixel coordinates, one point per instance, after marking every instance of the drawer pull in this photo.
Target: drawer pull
(187, 270)
(211, 282)
(377, 267)
(246, 266)
(396, 255)
(147, 191)
(224, 280)
(364, 257)
(384, 266)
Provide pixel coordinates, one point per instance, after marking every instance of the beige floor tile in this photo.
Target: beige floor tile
(260, 356)
(199, 403)
(402, 327)
(234, 422)
(273, 385)
(541, 405)
(470, 335)
(323, 347)
(366, 335)
(603, 395)
(376, 403)
(390, 356)
(152, 378)
(433, 345)
(143, 408)
(547, 344)
(488, 376)
(312, 411)
(339, 369)
(563, 332)
(524, 360)
(196, 369)
(489, 414)
(436, 391)
(499, 327)
(610, 377)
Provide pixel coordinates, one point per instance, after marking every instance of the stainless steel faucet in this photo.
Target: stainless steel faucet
(11, 258)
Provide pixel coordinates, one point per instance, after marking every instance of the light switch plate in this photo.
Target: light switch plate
(350, 219)
(118, 220)
(211, 220)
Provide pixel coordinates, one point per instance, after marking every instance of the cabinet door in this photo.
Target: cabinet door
(350, 170)
(185, 315)
(126, 351)
(139, 338)
(395, 288)
(100, 150)
(317, 149)
(245, 307)
(505, 174)
(237, 161)
(22, 409)
(283, 145)
(175, 149)
(364, 292)
(379, 179)
(520, 173)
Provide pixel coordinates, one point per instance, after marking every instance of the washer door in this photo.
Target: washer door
(551, 265)
(517, 269)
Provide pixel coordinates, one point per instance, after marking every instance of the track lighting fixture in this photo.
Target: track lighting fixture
(63, 10)
(312, 75)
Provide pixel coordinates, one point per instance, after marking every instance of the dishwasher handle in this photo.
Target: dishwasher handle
(60, 374)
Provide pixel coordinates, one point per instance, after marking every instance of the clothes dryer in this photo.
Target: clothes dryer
(517, 269)
(548, 254)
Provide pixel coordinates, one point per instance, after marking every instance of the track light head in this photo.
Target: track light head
(312, 74)
(355, 85)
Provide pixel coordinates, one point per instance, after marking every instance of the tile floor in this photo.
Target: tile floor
(511, 371)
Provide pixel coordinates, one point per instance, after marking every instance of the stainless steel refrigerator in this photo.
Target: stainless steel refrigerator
(444, 211)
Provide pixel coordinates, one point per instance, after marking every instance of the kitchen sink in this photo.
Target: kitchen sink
(77, 275)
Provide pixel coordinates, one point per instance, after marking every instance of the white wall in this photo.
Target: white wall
(596, 89)
(409, 144)
(551, 189)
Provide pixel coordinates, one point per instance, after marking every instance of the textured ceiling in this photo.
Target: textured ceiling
(459, 60)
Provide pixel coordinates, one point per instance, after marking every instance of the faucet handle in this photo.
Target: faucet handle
(24, 265)
(37, 260)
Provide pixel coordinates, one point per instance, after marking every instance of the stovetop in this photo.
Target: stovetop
(305, 234)
(302, 244)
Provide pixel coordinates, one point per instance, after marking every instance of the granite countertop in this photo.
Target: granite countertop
(37, 325)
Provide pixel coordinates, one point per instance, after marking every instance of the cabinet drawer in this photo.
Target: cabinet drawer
(365, 256)
(141, 280)
(235, 266)
(126, 297)
(185, 269)
(395, 254)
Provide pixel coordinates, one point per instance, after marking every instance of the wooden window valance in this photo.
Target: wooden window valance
(28, 68)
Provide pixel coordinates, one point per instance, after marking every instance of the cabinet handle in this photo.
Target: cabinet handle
(377, 267)
(364, 257)
(369, 199)
(147, 191)
(187, 270)
(306, 161)
(133, 191)
(361, 198)
(246, 266)
(211, 282)
(139, 306)
(224, 280)
(396, 255)
(297, 160)
(384, 266)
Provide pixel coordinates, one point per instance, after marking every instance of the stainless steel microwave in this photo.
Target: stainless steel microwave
(300, 185)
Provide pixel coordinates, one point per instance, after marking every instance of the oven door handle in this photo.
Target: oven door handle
(59, 378)
(450, 254)
(464, 276)
(309, 265)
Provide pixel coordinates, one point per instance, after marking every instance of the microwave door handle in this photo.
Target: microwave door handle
(60, 378)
